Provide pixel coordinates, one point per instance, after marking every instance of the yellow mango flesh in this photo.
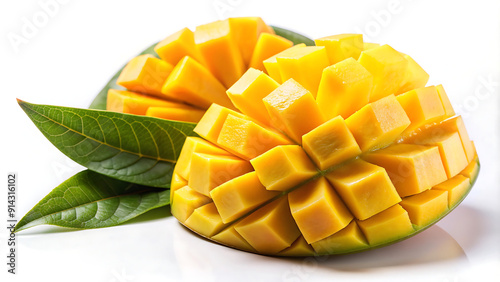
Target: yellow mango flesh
(217, 44)
(178, 45)
(134, 103)
(344, 88)
(247, 94)
(342, 46)
(293, 110)
(193, 83)
(287, 170)
(267, 46)
(283, 167)
(145, 74)
(426, 206)
(179, 114)
(388, 68)
(304, 65)
(318, 210)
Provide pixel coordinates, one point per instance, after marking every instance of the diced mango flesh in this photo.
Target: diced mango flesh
(283, 167)
(426, 206)
(320, 128)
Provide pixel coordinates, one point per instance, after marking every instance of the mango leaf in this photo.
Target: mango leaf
(92, 200)
(99, 102)
(137, 149)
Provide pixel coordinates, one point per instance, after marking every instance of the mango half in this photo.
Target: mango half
(331, 149)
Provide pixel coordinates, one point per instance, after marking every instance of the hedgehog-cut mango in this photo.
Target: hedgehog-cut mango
(329, 149)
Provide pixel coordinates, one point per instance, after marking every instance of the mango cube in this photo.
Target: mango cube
(450, 148)
(271, 228)
(252, 139)
(267, 46)
(217, 44)
(205, 220)
(341, 46)
(247, 94)
(411, 168)
(246, 31)
(365, 188)
(456, 187)
(349, 238)
(238, 196)
(283, 167)
(271, 63)
(293, 110)
(369, 45)
(318, 210)
(378, 124)
(191, 82)
(391, 224)
(457, 124)
(388, 68)
(304, 65)
(176, 183)
(175, 113)
(209, 171)
(415, 76)
(330, 143)
(178, 45)
(471, 170)
(145, 74)
(426, 207)
(186, 201)
(344, 88)
(211, 123)
(422, 106)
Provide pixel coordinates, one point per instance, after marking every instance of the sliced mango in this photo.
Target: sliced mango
(271, 228)
(178, 45)
(304, 65)
(193, 83)
(330, 143)
(209, 171)
(283, 167)
(134, 103)
(267, 46)
(211, 123)
(271, 63)
(145, 74)
(471, 170)
(205, 220)
(344, 88)
(247, 94)
(365, 188)
(348, 239)
(391, 224)
(298, 248)
(388, 68)
(246, 31)
(232, 238)
(412, 168)
(415, 76)
(236, 197)
(293, 110)
(426, 206)
(456, 187)
(318, 210)
(252, 139)
(369, 45)
(342, 46)
(217, 44)
(378, 124)
(177, 183)
(448, 108)
(186, 201)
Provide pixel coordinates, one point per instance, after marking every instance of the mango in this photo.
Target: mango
(302, 150)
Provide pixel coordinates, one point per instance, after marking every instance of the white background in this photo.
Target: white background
(76, 46)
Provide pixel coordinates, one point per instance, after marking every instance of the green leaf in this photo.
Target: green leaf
(91, 200)
(131, 148)
(99, 102)
(293, 36)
